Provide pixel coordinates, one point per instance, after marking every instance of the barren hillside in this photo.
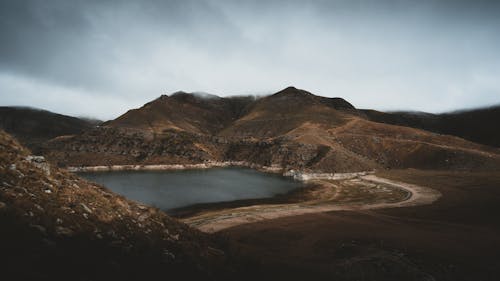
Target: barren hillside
(56, 224)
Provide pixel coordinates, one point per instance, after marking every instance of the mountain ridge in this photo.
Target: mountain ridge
(34, 126)
(291, 129)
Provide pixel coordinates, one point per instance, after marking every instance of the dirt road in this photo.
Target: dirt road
(213, 221)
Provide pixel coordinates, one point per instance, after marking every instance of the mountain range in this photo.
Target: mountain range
(291, 129)
(56, 225)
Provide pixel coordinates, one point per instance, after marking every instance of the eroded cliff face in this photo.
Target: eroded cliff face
(55, 224)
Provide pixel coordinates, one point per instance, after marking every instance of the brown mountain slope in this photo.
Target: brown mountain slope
(475, 125)
(57, 226)
(403, 147)
(292, 129)
(34, 126)
(286, 110)
(184, 112)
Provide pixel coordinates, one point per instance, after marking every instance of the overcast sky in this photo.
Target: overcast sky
(101, 58)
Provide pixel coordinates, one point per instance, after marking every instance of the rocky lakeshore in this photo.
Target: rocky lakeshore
(169, 167)
(295, 174)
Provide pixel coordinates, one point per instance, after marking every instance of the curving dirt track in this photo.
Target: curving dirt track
(455, 238)
(213, 221)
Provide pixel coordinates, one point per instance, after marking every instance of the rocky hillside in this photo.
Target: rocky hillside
(57, 226)
(474, 125)
(35, 126)
(292, 129)
(184, 112)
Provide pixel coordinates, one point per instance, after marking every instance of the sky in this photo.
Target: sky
(101, 58)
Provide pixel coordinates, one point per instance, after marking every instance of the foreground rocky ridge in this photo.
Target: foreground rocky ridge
(292, 129)
(59, 225)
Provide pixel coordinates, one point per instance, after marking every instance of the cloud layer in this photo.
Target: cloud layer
(100, 58)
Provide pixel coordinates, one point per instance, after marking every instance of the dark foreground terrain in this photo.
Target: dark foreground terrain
(57, 226)
(456, 238)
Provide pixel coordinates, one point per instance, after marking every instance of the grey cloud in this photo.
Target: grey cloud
(432, 55)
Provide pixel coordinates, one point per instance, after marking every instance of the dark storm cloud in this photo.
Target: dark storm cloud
(103, 57)
(78, 43)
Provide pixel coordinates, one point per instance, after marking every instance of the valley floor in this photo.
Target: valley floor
(455, 238)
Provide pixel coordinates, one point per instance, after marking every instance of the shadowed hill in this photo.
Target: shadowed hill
(34, 126)
(475, 125)
(292, 129)
(55, 225)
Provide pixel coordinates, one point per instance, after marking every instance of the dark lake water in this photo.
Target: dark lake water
(173, 189)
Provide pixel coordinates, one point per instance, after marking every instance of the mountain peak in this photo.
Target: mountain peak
(298, 95)
(293, 92)
(197, 95)
(290, 88)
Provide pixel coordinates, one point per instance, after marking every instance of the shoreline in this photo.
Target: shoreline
(173, 167)
(275, 169)
(213, 221)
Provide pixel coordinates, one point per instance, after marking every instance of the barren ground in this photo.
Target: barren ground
(455, 238)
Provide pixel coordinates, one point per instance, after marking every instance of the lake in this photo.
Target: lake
(174, 189)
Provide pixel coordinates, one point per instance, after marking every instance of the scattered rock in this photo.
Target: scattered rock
(39, 208)
(48, 191)
(40, 228)
(64, 231)
(143, 217)
(35, 159)
(87, 209)
(6, 184)
(39, 162)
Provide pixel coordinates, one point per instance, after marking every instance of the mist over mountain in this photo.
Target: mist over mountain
(101, 58)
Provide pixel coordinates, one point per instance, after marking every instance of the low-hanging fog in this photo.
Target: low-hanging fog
(100, 58)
